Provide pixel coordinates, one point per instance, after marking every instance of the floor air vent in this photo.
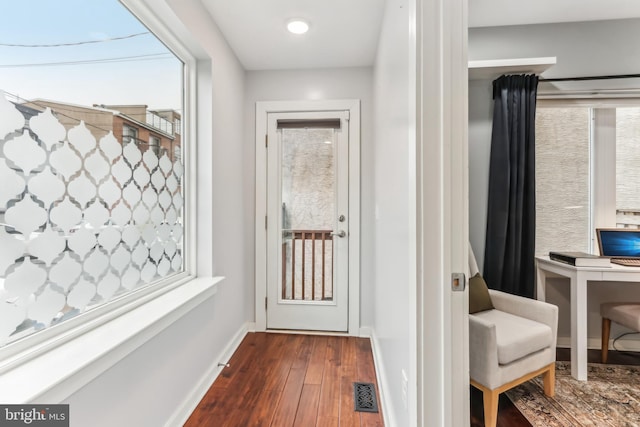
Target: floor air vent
(364, 396)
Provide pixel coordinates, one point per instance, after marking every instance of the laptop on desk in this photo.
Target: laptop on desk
(622, 245)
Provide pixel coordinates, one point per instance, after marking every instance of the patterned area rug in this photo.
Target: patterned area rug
(611, 397)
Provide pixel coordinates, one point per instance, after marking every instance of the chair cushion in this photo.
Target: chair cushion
(516, 336)
(624, 313)
(479, 298)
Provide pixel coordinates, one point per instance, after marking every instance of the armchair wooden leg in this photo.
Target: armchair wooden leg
(549, 381)
(490, 402)
(606, 329)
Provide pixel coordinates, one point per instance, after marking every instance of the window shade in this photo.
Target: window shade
(304, 123)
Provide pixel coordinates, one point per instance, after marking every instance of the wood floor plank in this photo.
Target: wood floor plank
(348, 371)
(304, 353)
(316, 362)
(329, 405)
(330, 422)
(249, 385)
(285, 413)
(275, 365)
(261, 415)
(372, 419)
(307, 412)
(348, 356)
(238, 398)
(280, 364)
(364, 358)
(348, 414)
(286, 409)
(281, 380)
(368, 419)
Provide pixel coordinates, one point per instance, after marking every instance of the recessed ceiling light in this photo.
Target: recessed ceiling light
(298, 26)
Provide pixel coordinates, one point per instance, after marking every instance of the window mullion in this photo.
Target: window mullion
(603, 180)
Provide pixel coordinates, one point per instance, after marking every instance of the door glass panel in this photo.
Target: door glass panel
(308, 181)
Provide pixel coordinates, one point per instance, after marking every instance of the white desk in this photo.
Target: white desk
(579, 278)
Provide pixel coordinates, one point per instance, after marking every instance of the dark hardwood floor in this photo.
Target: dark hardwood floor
(307, 380)
(284, 380)
(508, 414)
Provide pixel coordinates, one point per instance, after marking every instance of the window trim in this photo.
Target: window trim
(603, 171)
(30, 349)
(544, 102)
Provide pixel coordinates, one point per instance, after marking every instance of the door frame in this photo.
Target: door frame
(442, 213)
(308, 315)
(263, 108)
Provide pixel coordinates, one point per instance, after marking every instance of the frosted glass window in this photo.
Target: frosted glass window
(562, 179)
(86, 217)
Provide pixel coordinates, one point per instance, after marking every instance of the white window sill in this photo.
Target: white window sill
(53, 376)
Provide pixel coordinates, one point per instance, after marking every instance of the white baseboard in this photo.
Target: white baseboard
(383, 383)
(365, 332)
(182, 413)
(594, 343)
(306, 332)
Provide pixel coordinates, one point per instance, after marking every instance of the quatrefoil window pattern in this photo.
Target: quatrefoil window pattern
(82, 221)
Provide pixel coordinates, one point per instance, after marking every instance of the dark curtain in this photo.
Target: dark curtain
(511, 214)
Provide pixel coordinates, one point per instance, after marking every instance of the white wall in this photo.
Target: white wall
(393, 156)
(147, 386)
(582, 49)
(480, 118)
(330, 83)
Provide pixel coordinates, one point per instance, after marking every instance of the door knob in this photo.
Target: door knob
(340, 233)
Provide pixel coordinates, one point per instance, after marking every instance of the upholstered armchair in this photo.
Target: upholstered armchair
(509, 344)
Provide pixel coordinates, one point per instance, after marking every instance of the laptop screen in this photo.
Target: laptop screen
(619, 242)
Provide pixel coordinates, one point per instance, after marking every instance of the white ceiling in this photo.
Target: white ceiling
(344, 33)
(487, 13)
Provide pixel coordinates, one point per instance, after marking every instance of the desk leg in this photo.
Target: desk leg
(578, 327)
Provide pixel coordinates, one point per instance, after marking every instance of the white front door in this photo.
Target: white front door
(308, 220)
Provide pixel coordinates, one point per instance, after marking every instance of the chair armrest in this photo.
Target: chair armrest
(531, 309)
(483, 351)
